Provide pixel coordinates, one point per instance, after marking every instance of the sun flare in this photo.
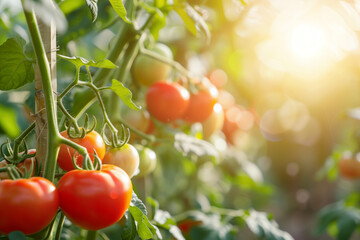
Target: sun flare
(307, 41)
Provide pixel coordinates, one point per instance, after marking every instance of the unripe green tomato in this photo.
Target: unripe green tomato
(126, 157)
(148, 160)
(147, 70)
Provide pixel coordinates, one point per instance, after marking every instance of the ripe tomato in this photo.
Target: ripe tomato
(148, 160)
(218, 78)
(27, 205)
(214, 122)
(23, 166)
(91, 141)
(95, 199)
(167, 101)
(147, 70)
(201, 104)
(126, 158)
(349, 167)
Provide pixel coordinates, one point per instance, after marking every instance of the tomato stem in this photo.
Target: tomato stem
(53, 137)
(60, 226)
(91, 235)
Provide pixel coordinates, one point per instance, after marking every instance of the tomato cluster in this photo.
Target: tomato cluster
(91, 199)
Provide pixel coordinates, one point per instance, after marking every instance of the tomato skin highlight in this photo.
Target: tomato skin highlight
(95, 199)
(214, 122)
(91, 141)
(126, 158)
(167, 101)
(27, 205)
(201, 104)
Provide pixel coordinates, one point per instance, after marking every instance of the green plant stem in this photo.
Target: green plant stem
(60, 226)
(20, 138)
(91, 235)
(128, 59)
(53, 137)
(150, 138)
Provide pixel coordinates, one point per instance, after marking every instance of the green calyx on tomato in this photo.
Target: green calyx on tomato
(92, 142)
(95, 199)
(26, 168)
(147, 70)
(201, 103)
(167, 102)
(126, 157)
(27, 205)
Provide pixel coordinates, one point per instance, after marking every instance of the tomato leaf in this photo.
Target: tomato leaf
(16, 69)
(92, 4)
(346, 218)
(136, 202)
(124, 93)
(17, 235)
(80, 61)
(260, 224)
(190, 145)
(119, 9)
(128, 231)
(8, 121)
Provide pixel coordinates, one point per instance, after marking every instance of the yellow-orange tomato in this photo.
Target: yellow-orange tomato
(213, 123)
(125, 157)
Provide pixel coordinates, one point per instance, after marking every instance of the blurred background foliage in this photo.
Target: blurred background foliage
(294, 63)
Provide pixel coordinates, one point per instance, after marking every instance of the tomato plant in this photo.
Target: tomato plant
(147, 70)
(167, 101)
(27, 205)
(201, 103)
(92, 141)
(107, 193)
(126, 158)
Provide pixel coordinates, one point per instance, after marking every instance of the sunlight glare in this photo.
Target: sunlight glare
(307, 41)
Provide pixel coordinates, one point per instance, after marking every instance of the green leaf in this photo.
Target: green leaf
(136, 202)
(124, 93)
(16, 69)
(17, 235)
(8, 121)
(189, 23)
(128, 231)
(260, 224)
(119, 9)
(68, 6)
(346, 218)
(92, 4)
(190, 145)
(80, 61)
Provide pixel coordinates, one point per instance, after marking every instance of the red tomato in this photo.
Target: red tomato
(126, 158)
(213, 123)
(167, 101)
(349, 167)
(27, 205)
(95, 199)
(26, 164)
(91, 141)
(201, 104)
